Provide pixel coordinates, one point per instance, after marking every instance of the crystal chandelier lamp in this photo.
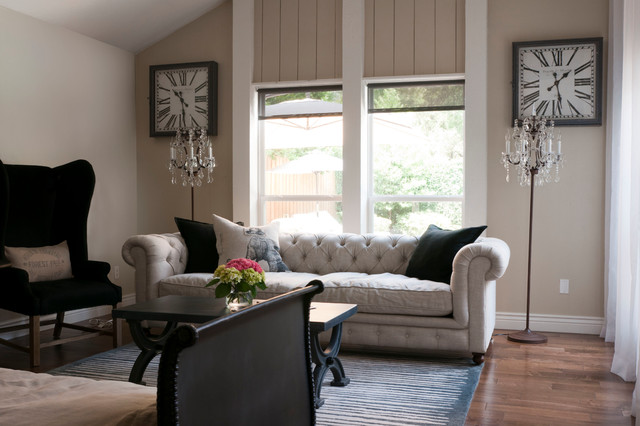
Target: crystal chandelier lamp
(191, 158)
(536, 154)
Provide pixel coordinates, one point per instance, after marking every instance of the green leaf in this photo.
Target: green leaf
(262, 285)
(244, 286)
(223, 290)
(214, 281)
(253, 292)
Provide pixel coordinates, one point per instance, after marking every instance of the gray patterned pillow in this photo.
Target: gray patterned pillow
(259, 243)
(47, 263)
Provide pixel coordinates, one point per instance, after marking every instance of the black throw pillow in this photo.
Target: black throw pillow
(200, 239)
(433, 258)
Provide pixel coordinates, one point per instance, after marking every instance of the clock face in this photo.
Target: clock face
(181, 97)
(560, 80)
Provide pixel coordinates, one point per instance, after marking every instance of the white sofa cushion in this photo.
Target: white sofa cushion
(378, 293)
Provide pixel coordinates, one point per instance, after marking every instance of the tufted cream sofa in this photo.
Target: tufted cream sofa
(395, 313)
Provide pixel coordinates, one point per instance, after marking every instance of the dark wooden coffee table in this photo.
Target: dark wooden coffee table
(195, 309)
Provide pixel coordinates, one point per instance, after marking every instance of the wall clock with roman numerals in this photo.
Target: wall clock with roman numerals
(183, 95)
(560, 79)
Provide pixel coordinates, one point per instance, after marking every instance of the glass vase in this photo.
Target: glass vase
(236, 301)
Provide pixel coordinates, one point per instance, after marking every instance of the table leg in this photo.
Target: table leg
(327, 360)
(150, 345)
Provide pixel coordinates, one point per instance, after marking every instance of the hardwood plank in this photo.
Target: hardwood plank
(563, 382)
(288, 40)
(425, 37)
(307, 30)
(383, 38)
(338, 42)
(403, 47)
(368, 38)
(257, 41)
(326, 42)
(270, 40)
(460, 34)
(445, 36)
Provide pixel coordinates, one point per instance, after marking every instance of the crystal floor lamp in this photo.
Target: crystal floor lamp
(191, 157)
(536, 163)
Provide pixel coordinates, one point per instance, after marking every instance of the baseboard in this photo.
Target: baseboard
(70, 317)
(550, 323)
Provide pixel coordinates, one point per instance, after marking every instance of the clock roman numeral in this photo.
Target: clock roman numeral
(573, 108)
(542, 108)
(572, 55)
(529, 99)
(202, 86)
(525, 67)
(172, 79)
(195, 72)
(201, 110)
(531, 84)
(183, 78)
(164, 101)
(163, 88)
(582, 95)
(582, 67)
(201, 98)
(162, 114)
(194, 122)
(582, 81)
(541, 58)
(557, 57)
(172, 121)
(556, 108)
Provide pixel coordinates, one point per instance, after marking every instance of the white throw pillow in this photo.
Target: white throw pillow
(42, 263)
(259, 243)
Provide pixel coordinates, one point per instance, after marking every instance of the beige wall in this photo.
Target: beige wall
(568, 217)
(64, 96)
(568, 221)
(206, 39)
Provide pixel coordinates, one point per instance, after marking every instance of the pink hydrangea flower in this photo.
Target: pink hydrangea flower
(242, 264)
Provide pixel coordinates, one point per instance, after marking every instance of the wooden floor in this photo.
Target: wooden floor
(563, 382)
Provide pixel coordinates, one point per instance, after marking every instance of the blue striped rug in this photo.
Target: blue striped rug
(384, 390)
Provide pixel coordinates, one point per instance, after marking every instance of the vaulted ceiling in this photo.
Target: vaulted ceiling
(132, 25)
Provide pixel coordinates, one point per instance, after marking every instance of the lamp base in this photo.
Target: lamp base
(527, 336)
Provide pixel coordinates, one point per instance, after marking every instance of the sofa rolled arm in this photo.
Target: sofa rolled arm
(476, 268)
(494, 249)
(154, 257)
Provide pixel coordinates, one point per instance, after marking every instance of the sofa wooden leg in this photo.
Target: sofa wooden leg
(34, 341)
(478, 358)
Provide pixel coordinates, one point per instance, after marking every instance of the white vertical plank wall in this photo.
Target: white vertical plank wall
(302, 39)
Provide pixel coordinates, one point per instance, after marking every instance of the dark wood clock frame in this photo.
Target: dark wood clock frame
(212, 104)
(597, 41)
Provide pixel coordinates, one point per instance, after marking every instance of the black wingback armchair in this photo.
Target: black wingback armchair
(39, 207)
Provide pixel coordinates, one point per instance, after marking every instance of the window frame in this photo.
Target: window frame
(372, 198)
(262, 197)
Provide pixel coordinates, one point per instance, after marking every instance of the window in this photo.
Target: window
(301, 158)
(416, 156)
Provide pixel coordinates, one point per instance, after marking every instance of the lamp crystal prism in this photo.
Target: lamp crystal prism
(536, 154)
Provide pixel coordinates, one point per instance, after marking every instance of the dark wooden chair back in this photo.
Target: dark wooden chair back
(249, 368)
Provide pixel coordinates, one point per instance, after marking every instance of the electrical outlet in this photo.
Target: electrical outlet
(564, 286)
(116, 272)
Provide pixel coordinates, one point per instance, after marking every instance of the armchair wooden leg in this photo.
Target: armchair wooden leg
(34, 341)
(57, 329)
(117, 330)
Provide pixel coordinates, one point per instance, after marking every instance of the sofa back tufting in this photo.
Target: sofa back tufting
(326, 253)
